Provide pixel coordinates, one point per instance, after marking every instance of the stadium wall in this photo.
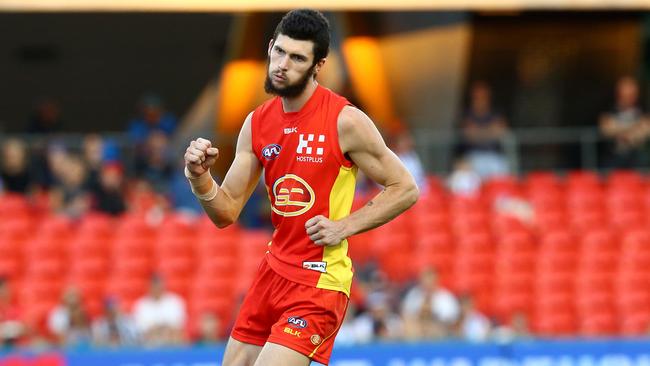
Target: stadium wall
(522, 353)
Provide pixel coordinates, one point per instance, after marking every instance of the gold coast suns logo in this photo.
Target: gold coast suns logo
(292, 196)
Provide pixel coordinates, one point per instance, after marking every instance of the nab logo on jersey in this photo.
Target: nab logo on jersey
(270, 152)
(292, 196)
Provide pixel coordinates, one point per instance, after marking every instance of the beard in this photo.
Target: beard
(291, 90)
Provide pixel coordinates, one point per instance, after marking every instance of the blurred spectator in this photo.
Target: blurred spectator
(464, 181)
(256, 211)
(181, 195)
(517, 329)
(48, 163)
(429, 310)
(109, 194)
(14, 165)
(70, 197)
(209, 330)
(482, 132)
(69, 322)
(348, 334)
(626, 127)
(93, 156)
(514, 207)
(114, 328)
(472, 325)
(12, 327)
(379, 322)
(404, 148)
(151, 117)
(160, 315)
(47, 118)
(155, 163)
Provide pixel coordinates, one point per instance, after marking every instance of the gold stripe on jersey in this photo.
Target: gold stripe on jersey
(339, 265)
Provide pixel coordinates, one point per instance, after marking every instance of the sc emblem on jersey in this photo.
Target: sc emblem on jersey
(292, 196)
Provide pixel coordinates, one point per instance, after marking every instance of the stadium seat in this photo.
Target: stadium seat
(89, 267)
(435, 250)
(433, 220)
(635, 323)
(11, 259)
(132, 247)
(16, 229)
(554, 282)
(468, 222)
(515, 241)
(13, 205)
(600, 323)
(554, 313)
(360, 247)
(582, 180)
(177, 225)
(96, 226)
(58, 227)
(136, 267)
(400, 267)
(625, 179)
(548, 221)
(495, 187)
(175, 267)
(134, 227)
(541, 180)
(389, 242)
(222, 244)
(211, 286)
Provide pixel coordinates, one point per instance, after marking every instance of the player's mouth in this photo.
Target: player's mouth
(279, 77)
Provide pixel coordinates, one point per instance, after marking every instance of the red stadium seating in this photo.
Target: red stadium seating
(582, 268)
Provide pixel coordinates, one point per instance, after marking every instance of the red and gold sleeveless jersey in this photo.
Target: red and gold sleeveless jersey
(306, 174)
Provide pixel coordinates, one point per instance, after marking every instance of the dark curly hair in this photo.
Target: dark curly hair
(307, 25)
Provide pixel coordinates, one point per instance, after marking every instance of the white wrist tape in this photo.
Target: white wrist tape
(199, 181)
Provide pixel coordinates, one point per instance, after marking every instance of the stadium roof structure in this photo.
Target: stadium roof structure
(340, 5)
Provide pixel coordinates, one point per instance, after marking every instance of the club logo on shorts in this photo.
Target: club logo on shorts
(292, 196)
(270, 152)
(296, 322)
(315, 339)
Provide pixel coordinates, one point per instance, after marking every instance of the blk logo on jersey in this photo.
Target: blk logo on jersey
(270, 152)
(292, 196)
(289, 130)
(310, 148)
(296, 322)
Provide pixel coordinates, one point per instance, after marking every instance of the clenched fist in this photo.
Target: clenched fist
(200, 156)
(323, 231)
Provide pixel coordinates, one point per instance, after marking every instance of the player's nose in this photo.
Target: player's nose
(284, 63)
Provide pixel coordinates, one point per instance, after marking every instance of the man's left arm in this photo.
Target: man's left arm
(362, 142)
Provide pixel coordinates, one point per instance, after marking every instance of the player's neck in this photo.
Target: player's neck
(296, 103)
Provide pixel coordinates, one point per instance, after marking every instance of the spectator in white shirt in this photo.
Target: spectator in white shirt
(472, 325)
(429, 310)
(160, 316)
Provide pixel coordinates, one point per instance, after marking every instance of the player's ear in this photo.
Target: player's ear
(268, 52)
(319, 64)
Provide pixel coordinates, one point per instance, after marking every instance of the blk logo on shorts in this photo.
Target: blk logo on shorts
(296, 322)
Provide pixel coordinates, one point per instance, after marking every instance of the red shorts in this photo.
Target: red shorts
(303, 318)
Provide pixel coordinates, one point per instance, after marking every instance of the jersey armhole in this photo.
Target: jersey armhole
(334, 136)
(254, 135)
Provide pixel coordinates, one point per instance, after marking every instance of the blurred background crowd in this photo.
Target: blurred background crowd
(524, 161)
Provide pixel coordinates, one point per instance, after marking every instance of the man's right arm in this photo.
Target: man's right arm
(237, 186)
